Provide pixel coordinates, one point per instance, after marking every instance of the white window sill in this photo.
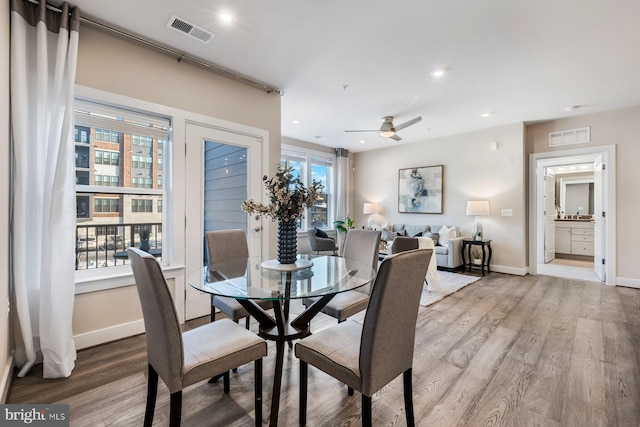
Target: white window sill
(101, 279)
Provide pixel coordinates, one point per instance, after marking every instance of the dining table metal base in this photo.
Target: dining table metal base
(278, 328)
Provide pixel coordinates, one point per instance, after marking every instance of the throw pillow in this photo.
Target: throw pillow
(320, 233)
(446, 234)
(415, 230)
(434, 236)
(387, 235)
(377, 227)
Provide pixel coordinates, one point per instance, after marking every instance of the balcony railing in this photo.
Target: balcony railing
(104, 245)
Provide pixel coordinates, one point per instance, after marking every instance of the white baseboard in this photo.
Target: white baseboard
(510, 270)
(112, 333)
(630, 283)
(5, 381)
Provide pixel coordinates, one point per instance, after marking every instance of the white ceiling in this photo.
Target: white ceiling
(522, 60)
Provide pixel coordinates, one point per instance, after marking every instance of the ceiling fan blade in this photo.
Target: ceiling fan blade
(396, 137)
(370, 130)
(409, 123)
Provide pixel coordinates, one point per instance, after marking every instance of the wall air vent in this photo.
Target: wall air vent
(192, 30)
(570, 137)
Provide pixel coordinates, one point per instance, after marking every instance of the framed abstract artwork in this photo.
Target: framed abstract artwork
(420, 189)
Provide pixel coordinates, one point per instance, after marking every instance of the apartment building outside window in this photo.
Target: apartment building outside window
(310, 165)
(118, 180)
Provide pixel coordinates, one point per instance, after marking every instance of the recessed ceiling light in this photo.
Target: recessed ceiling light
(362, 141)
(295, 121)
(487, 114)
(439, 72)
(571, 108)
(225, 16)
(584, 166)
(572, 168)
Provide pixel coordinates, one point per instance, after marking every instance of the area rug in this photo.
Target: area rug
(448, 283)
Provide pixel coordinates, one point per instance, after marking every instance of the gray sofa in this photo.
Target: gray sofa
(447, 257)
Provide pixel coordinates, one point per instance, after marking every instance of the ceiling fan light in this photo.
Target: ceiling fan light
(387, 133)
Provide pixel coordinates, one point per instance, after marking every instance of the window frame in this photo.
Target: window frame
(305, 176)
(95, 279)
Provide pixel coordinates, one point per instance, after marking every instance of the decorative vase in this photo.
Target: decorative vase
(287, 242)
(144, 245)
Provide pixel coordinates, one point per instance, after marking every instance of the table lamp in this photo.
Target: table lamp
(477, 208)
(370, 209)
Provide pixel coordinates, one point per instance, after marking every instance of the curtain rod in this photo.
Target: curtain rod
(180, 56)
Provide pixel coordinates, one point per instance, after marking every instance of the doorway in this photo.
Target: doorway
(225, 169)
(573, 236)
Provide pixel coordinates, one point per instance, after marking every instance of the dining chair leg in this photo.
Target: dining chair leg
(247, 322)
(303, 392)
(213, 310)
(366, 411)
(225, 378)
(152, 391)
(350, 391)
(258, 391)
(408, 398)
(175, 409)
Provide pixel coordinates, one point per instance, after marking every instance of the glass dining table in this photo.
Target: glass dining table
(252, 279)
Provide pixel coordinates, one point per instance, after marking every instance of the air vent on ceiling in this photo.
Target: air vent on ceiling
(190, 29)
(570, 137)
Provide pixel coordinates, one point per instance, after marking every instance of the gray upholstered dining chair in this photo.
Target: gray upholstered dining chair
(319, 243)
(182, 359)
(367, 356)
(402, 244)
(362, 246)
(227, 245)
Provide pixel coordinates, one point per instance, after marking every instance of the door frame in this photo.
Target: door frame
(193, 253)
(537, 163)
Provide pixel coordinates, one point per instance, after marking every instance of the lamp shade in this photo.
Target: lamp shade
(478, 207)
(370, 208)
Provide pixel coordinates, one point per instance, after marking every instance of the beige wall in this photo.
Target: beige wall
(472, 171)
(114, 65)
(4, 197)
(622, 128)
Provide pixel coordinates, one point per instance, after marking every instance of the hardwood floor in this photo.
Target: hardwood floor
(504, 351)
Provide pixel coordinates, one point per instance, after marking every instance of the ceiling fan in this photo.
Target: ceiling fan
(388, 130)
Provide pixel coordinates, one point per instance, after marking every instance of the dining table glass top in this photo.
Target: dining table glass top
(245, 278)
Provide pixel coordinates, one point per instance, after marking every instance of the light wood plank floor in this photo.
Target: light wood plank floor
(504, 351)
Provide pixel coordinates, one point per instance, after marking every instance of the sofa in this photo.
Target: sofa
(447, 248)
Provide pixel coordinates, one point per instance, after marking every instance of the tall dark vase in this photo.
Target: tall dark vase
(144, 245)
(287, 242)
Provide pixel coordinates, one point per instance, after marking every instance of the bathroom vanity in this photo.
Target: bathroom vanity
(574, 236)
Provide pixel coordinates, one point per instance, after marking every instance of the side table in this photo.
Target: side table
(468, 243)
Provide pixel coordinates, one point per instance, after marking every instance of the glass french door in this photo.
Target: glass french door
(223, 169)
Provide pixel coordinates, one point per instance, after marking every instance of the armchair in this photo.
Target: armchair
(321, 243)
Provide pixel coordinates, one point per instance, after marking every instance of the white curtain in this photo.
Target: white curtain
(342, 189)
(44, 47)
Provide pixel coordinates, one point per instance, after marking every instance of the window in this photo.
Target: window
(82, 157)
(112, 199)
(141, 141)
(104, 205)
(82, 134)
(142, 205)
(107, 158)
(311, 165)
(106, 180)
(106, 135)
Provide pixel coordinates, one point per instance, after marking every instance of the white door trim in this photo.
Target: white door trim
(537, 163)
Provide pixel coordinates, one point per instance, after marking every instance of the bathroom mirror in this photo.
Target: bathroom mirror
(576, 195)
